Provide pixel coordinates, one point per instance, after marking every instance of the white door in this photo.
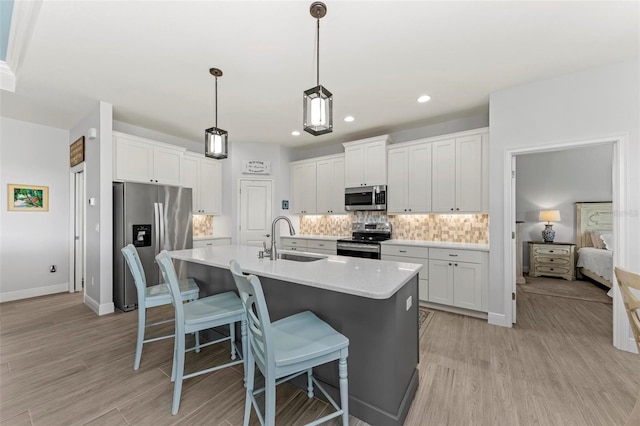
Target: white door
(255, 211)
(78, 281)
(512, 246)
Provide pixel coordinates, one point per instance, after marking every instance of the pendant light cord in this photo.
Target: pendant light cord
(318, 55)
(215, 104)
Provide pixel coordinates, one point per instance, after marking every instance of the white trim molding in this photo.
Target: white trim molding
(106, 308)
(33, 292)
(7, 78)
(498, 319)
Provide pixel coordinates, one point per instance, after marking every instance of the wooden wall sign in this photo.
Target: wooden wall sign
(76, 152)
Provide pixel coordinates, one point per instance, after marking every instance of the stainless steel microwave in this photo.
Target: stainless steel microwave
(365, 198)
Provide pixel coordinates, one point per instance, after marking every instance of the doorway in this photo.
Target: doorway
(255, 211)
(619, 143)
(77, 270)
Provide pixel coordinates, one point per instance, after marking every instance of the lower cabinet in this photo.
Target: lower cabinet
(458, 278)
(411, 254)
(311, 245)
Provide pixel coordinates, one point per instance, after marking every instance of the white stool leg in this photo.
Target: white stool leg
(142, 313)
(310, 383)
(243, 337)
(344, 390)
(270, 400)
(232, 337)
(197, 334)
(179, 371)
(250, 366)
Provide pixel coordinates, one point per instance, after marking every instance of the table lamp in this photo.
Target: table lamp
(548, 234)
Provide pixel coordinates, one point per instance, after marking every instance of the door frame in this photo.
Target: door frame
(80, 168)
(239, 201)
(620, 144)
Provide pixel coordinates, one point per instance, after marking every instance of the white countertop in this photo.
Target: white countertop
(210, 237)
(375, 279)
(438, 244)
(317, 237)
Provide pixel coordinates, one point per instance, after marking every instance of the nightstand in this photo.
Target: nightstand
(552, 259)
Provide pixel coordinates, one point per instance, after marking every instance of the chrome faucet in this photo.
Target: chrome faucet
(272, 252)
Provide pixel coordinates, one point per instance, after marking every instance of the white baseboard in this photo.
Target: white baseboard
(105, 308)
(498, 319)
(33, 292)
(631, 346)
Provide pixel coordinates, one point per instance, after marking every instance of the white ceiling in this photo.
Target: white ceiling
(151, 60)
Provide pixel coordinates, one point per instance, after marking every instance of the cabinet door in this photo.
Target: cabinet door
(324, 194)
(354, 166)
(310, 183)
(443, 196)
(419, 178)
(167, 165)
(190, 179)
(441, 282)
(397, 184)
(134, 160)
(467, 285)
(303, 188)
(375, 163)
(469, 174)
(337, 186)
(210, 183)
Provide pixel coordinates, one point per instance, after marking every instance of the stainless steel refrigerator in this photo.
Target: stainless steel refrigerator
(152, 218)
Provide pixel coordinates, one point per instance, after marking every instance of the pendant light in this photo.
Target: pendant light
(215, 139)
(318, 101)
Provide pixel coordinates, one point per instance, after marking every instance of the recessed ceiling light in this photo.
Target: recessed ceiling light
(295, 133)
(424, 98)
(349, 118)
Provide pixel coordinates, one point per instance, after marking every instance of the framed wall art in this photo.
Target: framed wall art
(28, 198)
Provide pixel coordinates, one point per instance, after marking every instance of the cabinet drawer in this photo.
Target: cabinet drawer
(553, 251)
(322, 245)
(294, 242)
(293, 248)
(459, 255)
(550, 269)
(406, 251)
(424, 272)
(551, 261)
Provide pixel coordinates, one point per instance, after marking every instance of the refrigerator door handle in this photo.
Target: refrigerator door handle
(156, 222)
(161, 210)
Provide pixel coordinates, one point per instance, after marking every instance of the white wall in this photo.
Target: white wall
(595, 103)
(556, 181)
(32, 241)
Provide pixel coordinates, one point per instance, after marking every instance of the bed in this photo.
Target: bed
(594, 227)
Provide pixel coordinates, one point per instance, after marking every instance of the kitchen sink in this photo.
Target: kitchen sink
(299, 257)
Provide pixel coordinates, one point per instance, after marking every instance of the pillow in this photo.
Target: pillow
(596, 241)
(607, 240)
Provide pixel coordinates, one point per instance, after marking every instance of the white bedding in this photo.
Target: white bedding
(596, 260)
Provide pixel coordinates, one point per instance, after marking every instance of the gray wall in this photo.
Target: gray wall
(556, 181)
(595, 103)
(33, 154)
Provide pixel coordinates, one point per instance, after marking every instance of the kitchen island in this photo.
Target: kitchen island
(374, 303)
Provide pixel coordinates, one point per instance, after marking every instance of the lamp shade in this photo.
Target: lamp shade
(216, 143)
(549, 215)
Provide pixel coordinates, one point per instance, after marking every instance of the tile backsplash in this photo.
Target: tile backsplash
(202, 225)
(458, 228)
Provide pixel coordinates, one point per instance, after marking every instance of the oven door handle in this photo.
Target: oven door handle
(369, 248)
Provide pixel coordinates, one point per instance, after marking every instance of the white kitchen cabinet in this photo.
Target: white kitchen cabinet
(303, 187)
(458, 278)
(409, 179)
(366, 162)
(142, 160)
(322, 246)
(330, 185)
(204, 176)
(211, 242)
(295, 244)
(411, 254)
(459, 179)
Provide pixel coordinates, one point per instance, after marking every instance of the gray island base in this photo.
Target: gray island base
(383, 333)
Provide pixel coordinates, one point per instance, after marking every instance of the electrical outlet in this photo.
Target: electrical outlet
(409, 302)
(52, 268)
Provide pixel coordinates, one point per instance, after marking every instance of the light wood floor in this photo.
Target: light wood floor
(62, 365)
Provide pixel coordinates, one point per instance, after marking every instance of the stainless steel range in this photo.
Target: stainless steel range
(365, 240)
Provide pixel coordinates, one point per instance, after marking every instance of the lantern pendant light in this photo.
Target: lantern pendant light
(318, 101)
(215, 139)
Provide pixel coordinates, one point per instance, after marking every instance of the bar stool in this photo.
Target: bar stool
(286, 349)
(152, 296)
(202, 314)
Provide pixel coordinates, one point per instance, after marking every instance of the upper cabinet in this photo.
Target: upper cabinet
(204, 176)
(303, 187)
(142, 160)
(409, 179)
(330, 185)
(366, 162)
(459, 178)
